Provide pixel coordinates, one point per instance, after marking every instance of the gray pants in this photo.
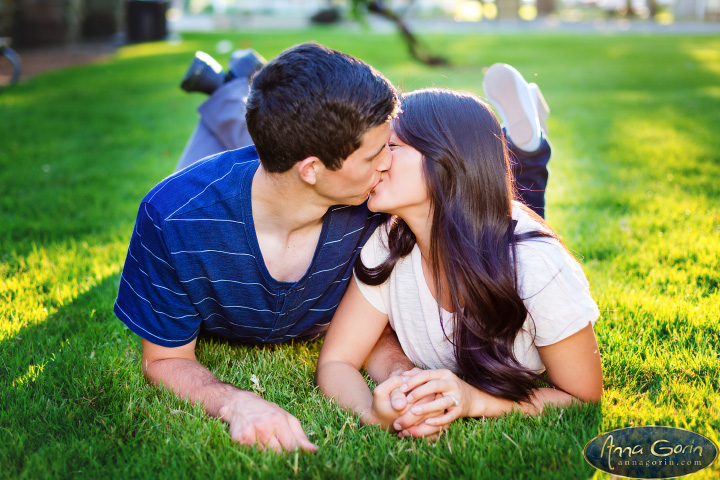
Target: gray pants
(222, 124)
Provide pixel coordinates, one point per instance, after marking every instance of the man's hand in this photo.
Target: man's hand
(255, 421)
(252, 420)
(385, 413)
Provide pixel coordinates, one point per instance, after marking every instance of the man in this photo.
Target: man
(257, 245)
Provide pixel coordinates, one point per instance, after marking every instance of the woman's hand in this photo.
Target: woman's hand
(453, 398)
(418, 426)
(383, 413)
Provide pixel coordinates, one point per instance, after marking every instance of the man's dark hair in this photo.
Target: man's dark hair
(314, 101)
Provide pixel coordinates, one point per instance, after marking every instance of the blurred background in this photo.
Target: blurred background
(34, 23)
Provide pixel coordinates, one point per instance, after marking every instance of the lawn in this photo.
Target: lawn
(634, 193)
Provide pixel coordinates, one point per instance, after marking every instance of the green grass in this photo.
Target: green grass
(634, 191)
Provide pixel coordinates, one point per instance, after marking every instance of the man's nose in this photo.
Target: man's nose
(385, 159)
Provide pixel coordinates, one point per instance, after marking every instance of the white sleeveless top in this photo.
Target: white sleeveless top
(550, 282)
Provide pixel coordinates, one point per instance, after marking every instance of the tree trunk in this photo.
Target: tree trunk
(48, 22)
(7, 17)
(417, 51)
(508, 9)
(545, 7)
(102, 18)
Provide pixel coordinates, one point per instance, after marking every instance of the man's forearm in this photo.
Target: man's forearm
(192, 381)
(251, 419)
(387, 358)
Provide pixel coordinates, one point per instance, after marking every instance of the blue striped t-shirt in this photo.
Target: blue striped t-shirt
(194, 262)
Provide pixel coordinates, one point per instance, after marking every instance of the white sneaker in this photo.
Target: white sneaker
(541, 106)
(511, 96)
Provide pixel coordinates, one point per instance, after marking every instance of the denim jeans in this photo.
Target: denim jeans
(530, 170)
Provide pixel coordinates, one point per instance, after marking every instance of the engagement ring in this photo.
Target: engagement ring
(454, 399)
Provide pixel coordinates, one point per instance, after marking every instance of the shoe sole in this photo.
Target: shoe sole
(503, 86)
(194, 79)
(542, 108)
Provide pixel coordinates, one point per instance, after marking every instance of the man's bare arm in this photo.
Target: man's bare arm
(251, 419)
(387, 358)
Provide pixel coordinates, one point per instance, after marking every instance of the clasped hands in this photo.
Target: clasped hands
(420, 403)
(417, 403)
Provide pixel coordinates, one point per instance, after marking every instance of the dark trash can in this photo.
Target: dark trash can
(326, 16)
(146, 20)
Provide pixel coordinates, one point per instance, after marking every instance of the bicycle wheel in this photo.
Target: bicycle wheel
(10, 66)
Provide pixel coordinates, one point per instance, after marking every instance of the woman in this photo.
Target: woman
(480, 291)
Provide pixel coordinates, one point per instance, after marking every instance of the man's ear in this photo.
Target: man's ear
(308, 169)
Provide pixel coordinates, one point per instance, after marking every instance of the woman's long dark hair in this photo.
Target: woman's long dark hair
(473, 241)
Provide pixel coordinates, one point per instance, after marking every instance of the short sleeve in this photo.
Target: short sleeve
(555, 291)
(151, 300)
(373, 254)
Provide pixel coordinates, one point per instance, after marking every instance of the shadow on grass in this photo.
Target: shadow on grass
(64, 381)
(75, 402)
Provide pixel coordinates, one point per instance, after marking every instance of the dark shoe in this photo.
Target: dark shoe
(243, 63)
(204, 75)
